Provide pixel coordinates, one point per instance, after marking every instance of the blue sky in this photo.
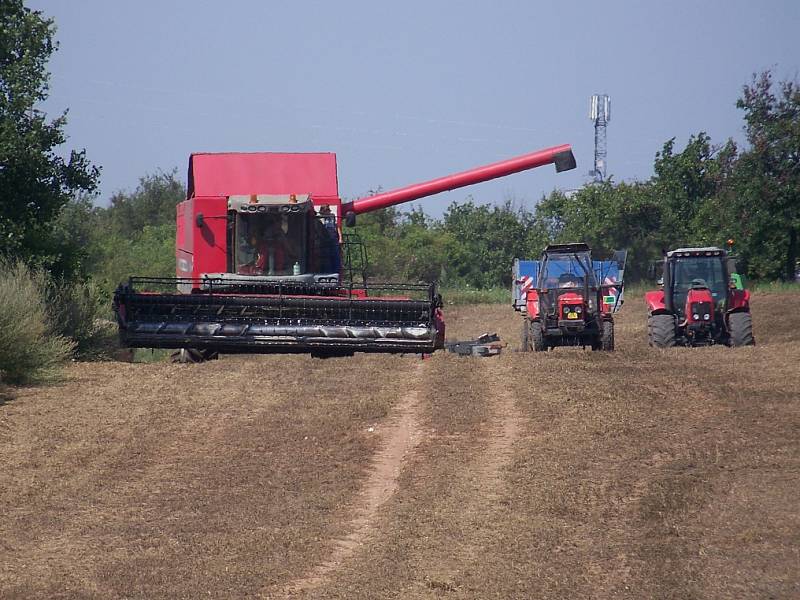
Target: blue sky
(406, 91)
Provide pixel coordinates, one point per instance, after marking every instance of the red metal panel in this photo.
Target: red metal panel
(655, 301)
(182, 244)
(208, 243)
(226, 174)
(451, 182)
(740, 300)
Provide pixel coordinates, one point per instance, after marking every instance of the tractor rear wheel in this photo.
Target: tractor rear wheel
(538, 343)
(740, 326)
(661, 329)
(525, 337)
(607, 336)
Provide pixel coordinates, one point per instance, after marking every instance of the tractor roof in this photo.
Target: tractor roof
(570, 248)
(274, 173)
(704, 251)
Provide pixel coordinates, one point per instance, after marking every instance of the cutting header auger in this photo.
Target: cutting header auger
(263, 265)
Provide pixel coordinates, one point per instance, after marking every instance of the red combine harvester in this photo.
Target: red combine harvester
(264, 267)
(701, 302)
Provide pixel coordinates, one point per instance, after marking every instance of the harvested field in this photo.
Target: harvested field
(638, 474)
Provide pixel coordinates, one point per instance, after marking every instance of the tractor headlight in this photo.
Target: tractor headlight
(578, 309)
(706, 317)
(696, 317)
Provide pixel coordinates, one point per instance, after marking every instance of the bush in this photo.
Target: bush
(77, 311)
(30, 347)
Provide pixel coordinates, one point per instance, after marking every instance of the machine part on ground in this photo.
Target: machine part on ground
(702, 301)
(567, 298)
(488, 344)
(263, 266)
(190, 356)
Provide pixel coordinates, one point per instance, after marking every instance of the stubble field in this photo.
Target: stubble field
(638, 474)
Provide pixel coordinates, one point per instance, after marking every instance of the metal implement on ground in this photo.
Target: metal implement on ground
(488, 344)
(263, 264)
(702, 301)
(567, 298)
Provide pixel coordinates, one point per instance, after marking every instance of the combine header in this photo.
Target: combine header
(264, 267)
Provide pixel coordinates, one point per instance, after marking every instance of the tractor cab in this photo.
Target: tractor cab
(693, 275)
(566, 285)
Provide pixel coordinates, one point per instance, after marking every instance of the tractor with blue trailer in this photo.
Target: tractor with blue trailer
(567, 298)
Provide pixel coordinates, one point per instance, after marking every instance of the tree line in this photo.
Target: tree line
(703, 193)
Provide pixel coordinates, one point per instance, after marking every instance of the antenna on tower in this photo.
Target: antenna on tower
(600, 114)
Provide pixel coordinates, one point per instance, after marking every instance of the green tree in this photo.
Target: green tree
(483, 242)
(152, 203)
(766, 202)
(36, 182)
(608, 217)
(684, 182)
(135, 234)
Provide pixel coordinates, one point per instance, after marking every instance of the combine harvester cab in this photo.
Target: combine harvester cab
(702, 301)
(264, 267)
(567, 298)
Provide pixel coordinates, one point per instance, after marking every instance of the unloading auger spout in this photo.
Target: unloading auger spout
(561, 156)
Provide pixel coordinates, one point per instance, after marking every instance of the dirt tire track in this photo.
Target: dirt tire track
(401, 435)
(499, 451)
(487, 472)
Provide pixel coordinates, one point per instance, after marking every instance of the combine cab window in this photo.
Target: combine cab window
(271, 244)
(294, 243)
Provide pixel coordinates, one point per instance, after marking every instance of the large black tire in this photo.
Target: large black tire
(740, 325)
(538, 343)
(661, 330)
(525, 338)
(607, 336)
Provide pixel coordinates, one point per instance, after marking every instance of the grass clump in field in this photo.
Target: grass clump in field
(468, 295)
(31, 349)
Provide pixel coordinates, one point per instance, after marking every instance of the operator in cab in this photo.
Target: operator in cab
(270, 249)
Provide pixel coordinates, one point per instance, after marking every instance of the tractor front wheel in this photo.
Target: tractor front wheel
(538, 342)
(740, 326)
(607, 336)
(526, 338)
(661, 330)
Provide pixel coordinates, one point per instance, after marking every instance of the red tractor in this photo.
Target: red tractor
(701, 301)
(264, 266)
(567, 298)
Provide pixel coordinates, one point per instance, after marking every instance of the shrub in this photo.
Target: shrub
(78, 311)
(30, 348)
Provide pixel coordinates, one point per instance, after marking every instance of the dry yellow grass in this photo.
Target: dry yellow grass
(642, 473)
